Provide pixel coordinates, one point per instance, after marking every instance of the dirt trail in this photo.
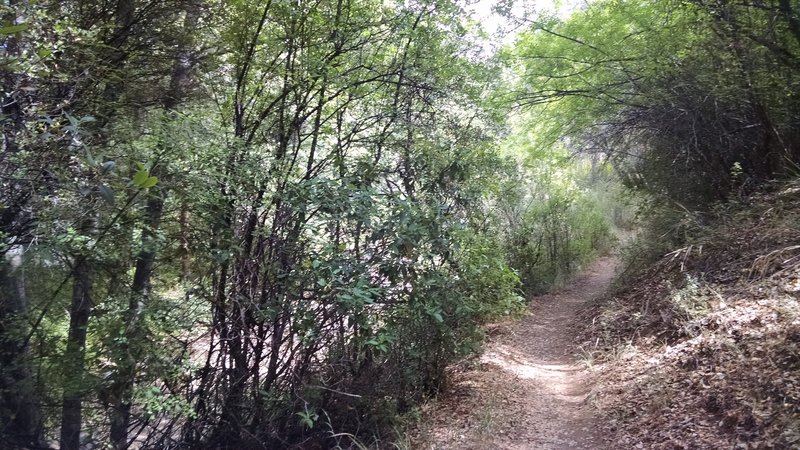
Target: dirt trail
(529, 391)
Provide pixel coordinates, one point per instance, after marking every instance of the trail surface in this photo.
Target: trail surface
(529, 390)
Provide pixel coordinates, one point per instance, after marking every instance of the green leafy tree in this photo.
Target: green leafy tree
(679, 92)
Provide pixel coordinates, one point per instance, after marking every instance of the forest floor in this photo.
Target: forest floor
(528, 389)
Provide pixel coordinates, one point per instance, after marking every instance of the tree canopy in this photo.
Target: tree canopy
(693, 99)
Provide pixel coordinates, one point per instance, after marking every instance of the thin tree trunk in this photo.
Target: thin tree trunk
(21, 417)
(140, 288)
(23, 426)
(75, 354)
(130, 352)
(185, 251)
(80, 310)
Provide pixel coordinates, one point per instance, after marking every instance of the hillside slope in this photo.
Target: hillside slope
(702, 350)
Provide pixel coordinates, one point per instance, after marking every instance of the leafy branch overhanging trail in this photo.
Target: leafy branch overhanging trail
(529, 391)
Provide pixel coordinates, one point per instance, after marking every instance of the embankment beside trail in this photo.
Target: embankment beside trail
(702, 350)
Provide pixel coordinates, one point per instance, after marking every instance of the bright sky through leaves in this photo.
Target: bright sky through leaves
(522, 11)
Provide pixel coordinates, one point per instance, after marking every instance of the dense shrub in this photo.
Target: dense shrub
(559, 214)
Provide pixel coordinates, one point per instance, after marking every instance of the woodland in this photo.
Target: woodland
(276, 223)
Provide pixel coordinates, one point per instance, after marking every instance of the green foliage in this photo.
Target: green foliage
(679, 93)
(576, 73)
(143, 179)
(557, 212)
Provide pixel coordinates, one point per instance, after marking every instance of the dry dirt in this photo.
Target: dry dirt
(528, 390)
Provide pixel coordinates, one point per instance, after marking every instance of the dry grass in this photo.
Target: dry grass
(714, 332)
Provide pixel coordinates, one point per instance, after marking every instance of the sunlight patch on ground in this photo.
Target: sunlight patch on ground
(554, 378)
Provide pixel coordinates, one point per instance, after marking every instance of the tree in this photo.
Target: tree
(689, 97)
(250, 216)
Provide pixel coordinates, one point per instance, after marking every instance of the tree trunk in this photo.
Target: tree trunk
(20, 413)
(75, 354)
(140, 288)
(23, 424)
(130, 352)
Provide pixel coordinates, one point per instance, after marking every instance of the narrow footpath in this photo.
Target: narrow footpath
(529, 390)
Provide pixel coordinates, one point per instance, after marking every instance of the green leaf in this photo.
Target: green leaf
(149, 182)
(72, 120)
(437, 316)
(90, 158)
(13, 29)
(140, 178)
(308, 418)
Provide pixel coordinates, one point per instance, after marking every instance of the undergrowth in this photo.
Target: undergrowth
(701, 348)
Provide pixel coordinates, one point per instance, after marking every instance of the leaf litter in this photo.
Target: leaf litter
(712, 339)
